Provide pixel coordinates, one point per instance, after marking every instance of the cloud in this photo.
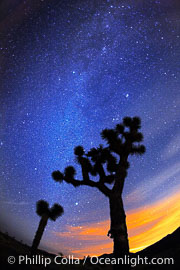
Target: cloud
(146, 189)
(172, 148)
(14, 203)
(146, 225)
(153, 221)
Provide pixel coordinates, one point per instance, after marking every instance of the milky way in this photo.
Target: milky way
(68, 70)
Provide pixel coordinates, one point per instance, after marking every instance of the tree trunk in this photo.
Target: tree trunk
(39, 233)
(118, 229)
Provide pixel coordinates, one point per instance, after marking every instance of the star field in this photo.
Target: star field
(68, 70)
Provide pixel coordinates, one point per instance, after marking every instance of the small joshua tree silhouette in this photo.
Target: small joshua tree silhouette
(123, 140)
(43, 210)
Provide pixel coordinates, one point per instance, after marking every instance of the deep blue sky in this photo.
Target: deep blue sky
(69, 69)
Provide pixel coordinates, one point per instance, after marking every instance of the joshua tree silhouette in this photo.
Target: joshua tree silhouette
(43, 210)
(110, 164)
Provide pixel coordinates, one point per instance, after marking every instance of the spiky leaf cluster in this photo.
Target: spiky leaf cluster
(121, 139)
(138, 150)
(56, 211)
(79, 151)
(69, 172)
(98, 155)
(57, 176)
(81, 159)
(42, 207)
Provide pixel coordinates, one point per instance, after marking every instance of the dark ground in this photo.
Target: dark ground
(168, 247)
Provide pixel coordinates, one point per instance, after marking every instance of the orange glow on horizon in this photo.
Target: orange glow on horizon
(146, 225)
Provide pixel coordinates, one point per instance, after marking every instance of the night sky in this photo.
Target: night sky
(69, 69)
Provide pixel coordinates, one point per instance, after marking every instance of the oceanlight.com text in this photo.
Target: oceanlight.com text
(133, 261)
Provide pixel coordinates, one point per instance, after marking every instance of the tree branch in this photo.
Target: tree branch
(105, 190)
